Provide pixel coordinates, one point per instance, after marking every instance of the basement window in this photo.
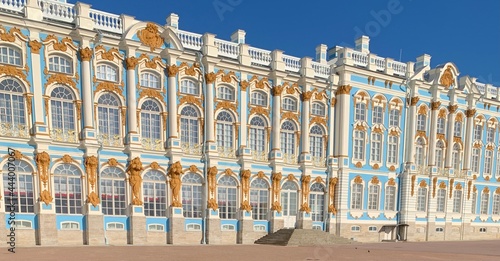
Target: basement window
(355, 228)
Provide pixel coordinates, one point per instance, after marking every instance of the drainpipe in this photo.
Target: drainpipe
(100, 188)
(204, 157)
(329, 168)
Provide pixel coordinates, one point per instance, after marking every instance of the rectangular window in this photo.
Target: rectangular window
(485, 198)
(475, 160)
(390, 198)
(490, 135)
(357, 196)
(421, 120)
(360, 113)
(488, 159)
(496, 205)
(441, 199)
(378, 115)
(474, 203)
(376, 147)
(373, 196)
(457, 201)
(422, 199)
(394, 118)
(478, 132)
(441, 126)
(359, 145)
(392, 153)
(457, 132)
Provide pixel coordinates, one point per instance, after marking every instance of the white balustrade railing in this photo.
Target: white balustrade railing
(106, 21)
(481, 87)
(227, 49)
(260, 56)
(493, 90)
(321, 70)
(57, 10)
(190, 40)
(399, 68)
(360, 58)
(13, 5)
(291, 63)
(380, 63)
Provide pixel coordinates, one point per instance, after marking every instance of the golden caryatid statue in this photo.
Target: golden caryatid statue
(42, 160)
(91, 169)
(212, 183)
(276, 205)
(134, 170)
(174, 174)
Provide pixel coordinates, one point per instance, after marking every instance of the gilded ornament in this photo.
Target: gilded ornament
(276, 206)
(62, 79)
(110, 87)
(305, 207)
(435, 105)
(358, 165)
(245, 183)
(447, 78)
(110, 55)
(131, 62)
(259, 110)
(260, 174)
(46, 100)
(29, 101)
(18, 155)
(470, 113)
(244, 85)
(194, 169)
(442, 114)
(413, 178)
(486, 190)
(290, 177)
(153, 63)
(392, 168)
(343, 89)
(442, 185)
(291, 89)
(376, 166)
(458, 186)
(487, 178)
(332, 183)
(378, 130)
(394, 132)
(124, 115)
(318, 179)
(375, 180)
(86, 54)
(318, 120)
(333, 101)
(35, 46)
(226, 105)
(434, 182)
(414, 100)
(391, 182)
(290, 115)
(15, 72)
(174, 173)
(91, 164)
(134, 170)
(154, 165)
(306, 96)
(246, 206)
(276, 177)
(93, 199)
(46, 197)
(423, 184)
(150, 36)
(164, 117)
(112, 162)
(67, 159)
(228, 172)
(469, 185)
(42, 160)
(227, 78)
(210, 78)
(277, 90)
(153, 94)
(190, 99)
(320, 95)
(497, 191)
(10, 36)
(452, 108)
(358, 180)
(59, 45)
(173, 70)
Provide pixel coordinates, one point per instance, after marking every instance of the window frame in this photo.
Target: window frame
(110, 70)
(15, 55)
(63, 65)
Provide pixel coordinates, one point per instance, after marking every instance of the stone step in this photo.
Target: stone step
(301, 237)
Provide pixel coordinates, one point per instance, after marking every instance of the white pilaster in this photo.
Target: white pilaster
(243, 113)
(343, 104)
(172, 106)
(468, 138)
(276, 146)
(450, 134)
(433, 133)
(306, 96)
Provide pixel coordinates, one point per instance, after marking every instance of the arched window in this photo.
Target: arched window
(378, 115)
(455, 157)
(441, 200)
(421, 199)
(107, 72)
(441, 126)
(457, 130)
(439, 154)
(318, 109)
(488, 159)
(288, 137)
(316, 142)
(225, 93)
(259, 199)
(192, 195)
(68, 189)
(360, 111)
(373, 196)
(359, 145)
(60, 64)
(259, 98)
(485, 202)
(496, 204)
(457, 201)
(475, 159)
(155, 194)
(376, 147)
(392, 150)
(289, 104)
(258, 135)
(227, 197)
(420, 152)
(151, 125)
(10, 55)
(189, 87)
(357, 196)
(289, 198)
(22, 176)
(390, 198)
(63, 115)
(317, 201)
(113, 196)
(109, 119)
(421, 122)
(478, 132)
(12, 109)
(394, 118)
(189, 125)
(225, 133)
(151, 80)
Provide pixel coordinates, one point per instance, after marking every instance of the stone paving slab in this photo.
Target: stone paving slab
(468, 250)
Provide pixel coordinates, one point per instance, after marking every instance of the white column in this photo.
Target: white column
(468, 138)
(244, 112)
(131, 95)
(344, 101)
(306, 97)
(433, 133)
(276, 117)
(39, 116)
(172, 104)
(450, 134)
(88, 112)
(331, 126)
(412, 117)
(209, 107)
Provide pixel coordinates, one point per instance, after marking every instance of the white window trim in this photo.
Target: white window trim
(156, 225)
(115, 223)
(70, 223)
(193, 227)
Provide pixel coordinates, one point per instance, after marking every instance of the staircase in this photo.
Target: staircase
(301, 237)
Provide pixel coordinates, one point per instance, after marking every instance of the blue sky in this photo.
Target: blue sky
(464, 32)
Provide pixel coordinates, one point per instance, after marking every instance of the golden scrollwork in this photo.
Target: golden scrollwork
(93, 199)
(331, 188)
(497, 191)
(358, 180)
(470, 113)
(452, 108)
(150, 36)
(469, 186)
(60, 45)
(42, 160)
(35, 46)
(487, 178)
(227, 77)
(486, 190)
(153, 63)
(62, 79)
(29, 102)
(110, 54)
(212, 184)
(394, 132)
(333, 101)
(423, 184)
(91, 164)
(190, 99)
(226, 105)
(152, 93)
(259, 110)
(442, 185)
(306, 96)
(343, 89)
(318, 120)
(172, 70)
(194, 169)
(458, 186)
(290, 115)
(134, 170)
(375, 180)
(434, 182)
(11, 35)
(112, 162)
(15, 72)
(110, 87)
(277, 90)
(260, 174)
(46, 197)
(210, 78)
(174, 173)
(245, 188)
(320, 95)
(67, 159)
(451, 187)
(260, 84)
(244, 85)
(276, 184)
(447, 78)
(154, 165)
(124, 115)
(414, 100)
(413, 178)
(435, 105)
(86, 54)
(442, 114)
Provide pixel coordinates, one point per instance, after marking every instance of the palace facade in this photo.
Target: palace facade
(130, 132)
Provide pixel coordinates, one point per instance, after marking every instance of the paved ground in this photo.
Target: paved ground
(470, 250)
